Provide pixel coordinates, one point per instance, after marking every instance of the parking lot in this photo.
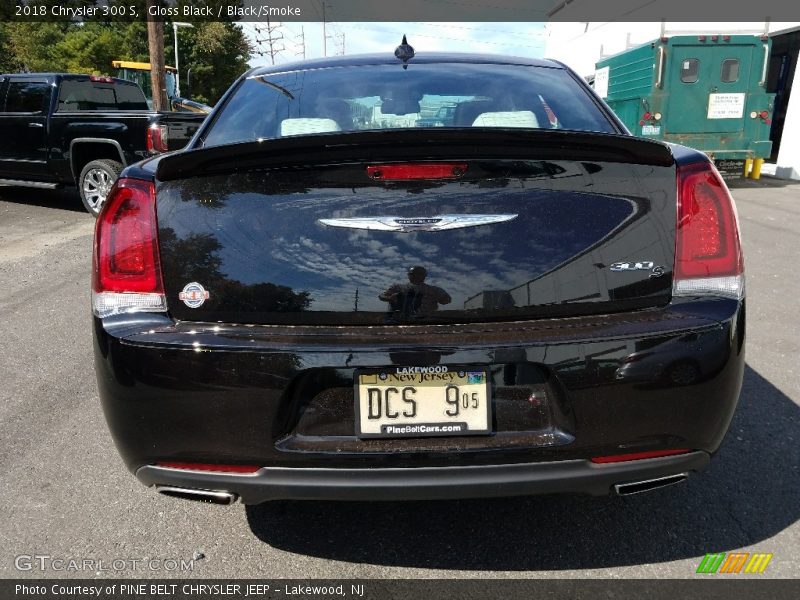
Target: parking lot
(66, 494)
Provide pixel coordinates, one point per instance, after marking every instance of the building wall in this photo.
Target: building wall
(788, 163)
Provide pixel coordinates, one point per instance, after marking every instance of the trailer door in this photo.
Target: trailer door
(708, 87)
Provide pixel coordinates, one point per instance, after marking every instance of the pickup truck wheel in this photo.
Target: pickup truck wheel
(95, 181)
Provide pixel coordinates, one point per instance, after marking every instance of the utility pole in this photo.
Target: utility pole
(301, 43)
(324, 32)
(155, 41)
(338, 41)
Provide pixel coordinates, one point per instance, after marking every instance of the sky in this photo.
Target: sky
(515, 39)
(578, 44)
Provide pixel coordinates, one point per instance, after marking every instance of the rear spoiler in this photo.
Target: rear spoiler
(414, 144)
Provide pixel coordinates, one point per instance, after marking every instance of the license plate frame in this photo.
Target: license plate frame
(474, 420)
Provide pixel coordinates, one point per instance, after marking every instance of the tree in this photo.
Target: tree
(7, 62)
(217, 53)
(33, 46)
(90, 48)
(70, 48)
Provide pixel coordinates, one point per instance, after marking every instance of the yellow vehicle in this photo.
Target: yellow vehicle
(139, 72)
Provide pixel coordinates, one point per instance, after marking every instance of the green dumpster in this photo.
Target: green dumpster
(703, 91)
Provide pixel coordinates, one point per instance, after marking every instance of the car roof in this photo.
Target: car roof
(31, 75)
(385, 58)
(64, 76)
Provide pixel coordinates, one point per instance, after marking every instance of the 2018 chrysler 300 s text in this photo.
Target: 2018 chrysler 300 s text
(430, 276)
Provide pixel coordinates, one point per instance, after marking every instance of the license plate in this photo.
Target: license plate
(422, 402)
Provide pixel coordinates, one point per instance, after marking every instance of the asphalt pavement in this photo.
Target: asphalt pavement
(65, 493)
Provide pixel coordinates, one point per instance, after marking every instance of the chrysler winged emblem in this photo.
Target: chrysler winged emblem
(409, 224)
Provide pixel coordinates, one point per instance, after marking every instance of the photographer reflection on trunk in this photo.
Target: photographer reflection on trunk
(416, 298)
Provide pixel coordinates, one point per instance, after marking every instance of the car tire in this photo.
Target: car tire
(95, 181)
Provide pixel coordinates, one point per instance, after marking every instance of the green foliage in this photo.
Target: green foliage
(66, 48)
(90, 49)
(33, 46)
(6, 59)
(216, 52)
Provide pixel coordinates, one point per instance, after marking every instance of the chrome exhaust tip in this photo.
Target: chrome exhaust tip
(208, 496)
(647, 485)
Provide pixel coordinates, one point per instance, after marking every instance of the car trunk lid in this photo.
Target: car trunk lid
(420, 226)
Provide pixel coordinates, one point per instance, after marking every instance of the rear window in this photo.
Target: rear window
(27, 96)
(389, 97)
(78, 95)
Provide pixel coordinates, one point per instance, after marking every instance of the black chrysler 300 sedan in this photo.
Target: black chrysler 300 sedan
(442, 276)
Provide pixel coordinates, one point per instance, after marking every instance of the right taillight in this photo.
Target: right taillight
(127, 269)
(615, 458)
(708, 253)
(157, 139)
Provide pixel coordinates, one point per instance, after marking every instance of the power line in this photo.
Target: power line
(273, 39)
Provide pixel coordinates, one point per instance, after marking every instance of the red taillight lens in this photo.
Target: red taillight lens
(126, 240)
(707, 242)
(127, 271)
(636, 456)
(417, 171)
(209, 467)
(157, 139)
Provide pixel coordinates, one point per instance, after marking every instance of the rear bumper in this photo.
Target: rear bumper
(427, 483)
(282, 399)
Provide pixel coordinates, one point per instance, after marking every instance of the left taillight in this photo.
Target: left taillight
(127, 270)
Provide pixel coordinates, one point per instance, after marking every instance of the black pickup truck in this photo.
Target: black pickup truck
(82, 130)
